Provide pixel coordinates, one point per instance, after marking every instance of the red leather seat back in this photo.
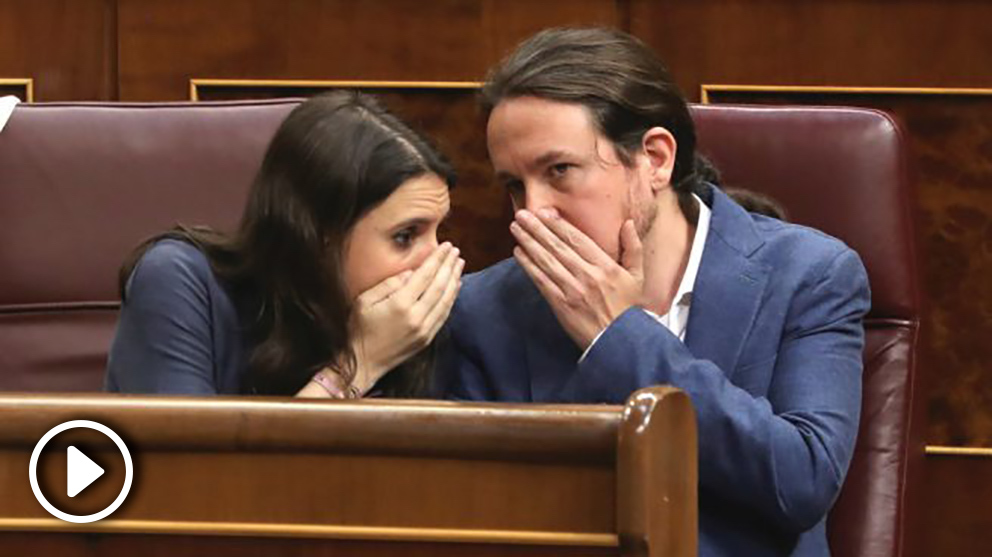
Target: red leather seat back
(80, 185)
(843, 171)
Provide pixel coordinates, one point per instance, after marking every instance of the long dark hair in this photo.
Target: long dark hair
(624, 85)
(333, 159)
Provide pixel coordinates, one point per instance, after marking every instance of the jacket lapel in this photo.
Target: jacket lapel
(551, 354)
(728, 288)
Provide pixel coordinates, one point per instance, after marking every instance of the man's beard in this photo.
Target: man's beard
(643, 211)
(644, 215)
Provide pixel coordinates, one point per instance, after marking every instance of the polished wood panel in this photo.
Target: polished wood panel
(650, 515)
(435, 473)
(68, 47)
(263, 424)
(847, 42)
(247, 89)
(956, 521)
(164, 43)
(69, 545)
(507, 22)
(950, 142)
(315, 531)
(353, 490)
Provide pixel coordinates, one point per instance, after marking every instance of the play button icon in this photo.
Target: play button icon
(81, 472)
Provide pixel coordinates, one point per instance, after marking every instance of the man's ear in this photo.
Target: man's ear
(659, 148)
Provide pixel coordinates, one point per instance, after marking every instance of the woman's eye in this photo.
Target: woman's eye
(403, 238)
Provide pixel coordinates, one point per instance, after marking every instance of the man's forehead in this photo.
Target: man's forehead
(535, 136)
(531, 114)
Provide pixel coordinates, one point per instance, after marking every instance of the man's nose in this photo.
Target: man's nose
(537, 198)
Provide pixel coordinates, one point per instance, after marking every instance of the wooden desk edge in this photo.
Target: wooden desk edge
(268, 530)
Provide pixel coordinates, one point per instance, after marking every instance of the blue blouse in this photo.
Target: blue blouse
(179, 331)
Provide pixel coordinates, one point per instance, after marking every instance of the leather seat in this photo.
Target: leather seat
(844, 171)
(80, 185)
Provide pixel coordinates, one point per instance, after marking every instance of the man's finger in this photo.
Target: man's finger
(552, 242)
(548, 288)
(553, 269)
(631, 250)
(581, 244)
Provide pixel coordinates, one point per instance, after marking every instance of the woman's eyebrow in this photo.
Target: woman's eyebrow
(408, 223)
(418, 221)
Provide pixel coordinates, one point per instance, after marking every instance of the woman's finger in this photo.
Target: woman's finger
(439, 313)
(423, 275)
(384, 289)
(435, 289)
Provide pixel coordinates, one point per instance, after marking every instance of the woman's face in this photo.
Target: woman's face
(396, 235)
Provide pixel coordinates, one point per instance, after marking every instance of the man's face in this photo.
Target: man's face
(548, 154)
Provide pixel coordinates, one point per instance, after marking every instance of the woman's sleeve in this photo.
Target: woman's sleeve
(163, 342)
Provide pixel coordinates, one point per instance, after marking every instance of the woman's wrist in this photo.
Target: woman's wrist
(363, 379)
(335, 385)
(367, 372)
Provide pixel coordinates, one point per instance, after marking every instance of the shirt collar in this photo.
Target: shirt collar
(683, 296)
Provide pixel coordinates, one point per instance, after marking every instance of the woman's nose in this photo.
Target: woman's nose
(425, 249)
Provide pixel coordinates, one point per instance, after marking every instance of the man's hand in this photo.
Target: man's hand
(585, 287)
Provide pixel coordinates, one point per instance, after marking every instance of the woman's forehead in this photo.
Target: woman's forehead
(424, 196)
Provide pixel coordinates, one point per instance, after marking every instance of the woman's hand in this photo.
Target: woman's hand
(401, 315)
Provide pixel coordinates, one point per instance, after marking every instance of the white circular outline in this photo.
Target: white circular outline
(33, 471)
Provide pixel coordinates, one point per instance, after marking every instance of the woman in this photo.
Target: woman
(333, 284)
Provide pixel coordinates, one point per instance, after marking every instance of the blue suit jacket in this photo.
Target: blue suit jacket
(772, 360)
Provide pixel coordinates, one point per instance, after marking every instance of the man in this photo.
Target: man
(632, 271)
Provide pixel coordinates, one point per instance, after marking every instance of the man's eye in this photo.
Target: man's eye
(513, 186)
(560, 169)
